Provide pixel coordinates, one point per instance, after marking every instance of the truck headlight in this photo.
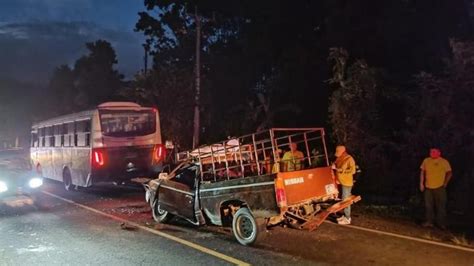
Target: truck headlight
(3, 187)
(35, 182)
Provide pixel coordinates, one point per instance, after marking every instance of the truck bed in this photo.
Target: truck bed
(258, 192)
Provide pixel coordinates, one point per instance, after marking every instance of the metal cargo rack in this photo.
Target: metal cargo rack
(257, 153)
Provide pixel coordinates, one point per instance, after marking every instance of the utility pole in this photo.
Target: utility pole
(146, 47)
(198, 81)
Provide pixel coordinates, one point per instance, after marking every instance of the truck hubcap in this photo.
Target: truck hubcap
(245, 227)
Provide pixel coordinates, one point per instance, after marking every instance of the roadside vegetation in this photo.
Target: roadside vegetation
(388, 93)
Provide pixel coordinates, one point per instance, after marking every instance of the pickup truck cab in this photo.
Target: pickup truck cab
(236, 184)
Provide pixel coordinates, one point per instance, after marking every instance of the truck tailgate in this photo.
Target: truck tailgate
(304, 185)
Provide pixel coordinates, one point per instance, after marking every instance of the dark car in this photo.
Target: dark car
(17, 180)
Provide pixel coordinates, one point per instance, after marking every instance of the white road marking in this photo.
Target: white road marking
(406, 237)
(34, 249)
(153, 231)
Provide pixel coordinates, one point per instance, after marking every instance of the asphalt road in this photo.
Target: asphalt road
(68, 235)
(55, 232)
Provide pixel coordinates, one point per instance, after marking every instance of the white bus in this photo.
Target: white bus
(115, 142)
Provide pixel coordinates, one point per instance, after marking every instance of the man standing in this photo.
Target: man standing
(292, 159)
(434, 178)
(344, 168)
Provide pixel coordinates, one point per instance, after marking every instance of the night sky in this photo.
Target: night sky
(38, 35)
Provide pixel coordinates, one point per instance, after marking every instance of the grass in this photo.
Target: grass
(431, 237)
(392, 211)
(460, 240)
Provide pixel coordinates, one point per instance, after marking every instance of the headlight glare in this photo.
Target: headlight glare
(35, 182)
(3, 187)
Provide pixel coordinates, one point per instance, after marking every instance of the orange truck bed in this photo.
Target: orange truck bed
(306, 185)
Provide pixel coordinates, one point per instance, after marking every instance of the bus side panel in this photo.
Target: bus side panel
(80, 167)
(57, 163)
(34, 157)
(67, 159)
(44, 158)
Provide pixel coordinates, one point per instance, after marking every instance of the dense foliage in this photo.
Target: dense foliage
(266, 64)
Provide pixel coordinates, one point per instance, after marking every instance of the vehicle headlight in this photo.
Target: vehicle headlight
(3, 187)
(35, 182)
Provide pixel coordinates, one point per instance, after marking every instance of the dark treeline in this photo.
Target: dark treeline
(387, 78)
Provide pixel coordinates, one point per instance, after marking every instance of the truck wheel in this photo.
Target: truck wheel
(246, 229)
(159, 214)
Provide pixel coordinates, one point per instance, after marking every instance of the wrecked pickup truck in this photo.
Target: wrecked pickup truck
(250, 184)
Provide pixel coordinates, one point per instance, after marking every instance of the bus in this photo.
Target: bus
(112, 143)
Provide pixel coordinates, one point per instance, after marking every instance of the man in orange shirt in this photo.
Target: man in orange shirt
(434, 178)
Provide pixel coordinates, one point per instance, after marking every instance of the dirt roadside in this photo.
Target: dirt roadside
(388, 219)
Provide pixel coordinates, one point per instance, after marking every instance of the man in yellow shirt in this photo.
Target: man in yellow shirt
(434, 178)
(344, 168)
(292, 159)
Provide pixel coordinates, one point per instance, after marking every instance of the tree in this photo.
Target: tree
(170, 91)
(361, 118)
(441, 115)
(62, 89)
(95, 77)
(93, 80)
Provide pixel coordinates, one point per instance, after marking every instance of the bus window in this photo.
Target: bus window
(127, 123)
(42, 138)
(34, 139)
(57, 136)
(68, 141)
(49, 136)
(63, 132)
(82, 137)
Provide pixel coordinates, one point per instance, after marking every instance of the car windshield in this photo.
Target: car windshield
(127, 123)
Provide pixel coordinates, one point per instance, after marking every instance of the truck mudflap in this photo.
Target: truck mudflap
(313, 221)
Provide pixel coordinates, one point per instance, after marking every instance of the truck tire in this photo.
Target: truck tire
(246, 229)
(160, 215)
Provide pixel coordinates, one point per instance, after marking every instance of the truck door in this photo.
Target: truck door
(178, 194)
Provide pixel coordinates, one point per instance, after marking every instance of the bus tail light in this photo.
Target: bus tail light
(98, 157)
(280, 192)
(159, 153)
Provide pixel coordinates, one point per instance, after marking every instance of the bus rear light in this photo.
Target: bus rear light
(98, 157)
(159, 153)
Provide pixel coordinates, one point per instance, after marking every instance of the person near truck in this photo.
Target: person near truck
(292, 159)
(434, 178)
(344, 169)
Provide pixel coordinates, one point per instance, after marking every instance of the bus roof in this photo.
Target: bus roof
(86, 114)
(118, 105)
(64, 118)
